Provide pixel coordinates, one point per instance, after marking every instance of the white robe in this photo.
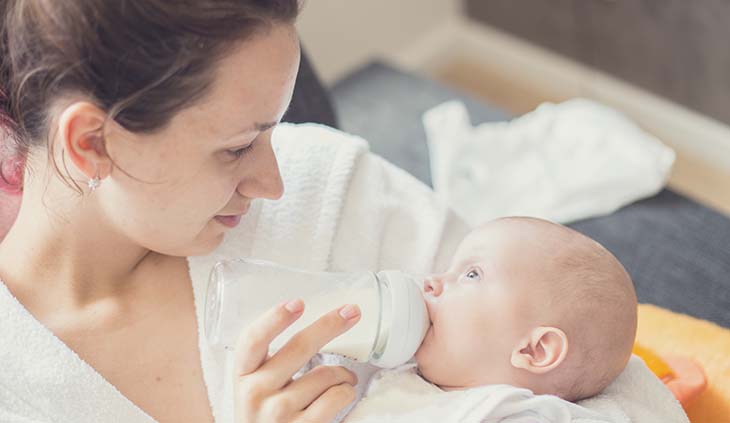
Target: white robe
(343, 209)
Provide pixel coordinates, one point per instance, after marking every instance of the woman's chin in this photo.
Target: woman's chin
(203, 245)
(214, 243)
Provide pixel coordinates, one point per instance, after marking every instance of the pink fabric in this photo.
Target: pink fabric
(11, 170)
(9, 205)
(10, 191)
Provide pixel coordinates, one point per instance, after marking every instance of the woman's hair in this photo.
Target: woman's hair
(141, 61)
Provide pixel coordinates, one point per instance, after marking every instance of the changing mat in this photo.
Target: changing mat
(666, 332)
(561, 162)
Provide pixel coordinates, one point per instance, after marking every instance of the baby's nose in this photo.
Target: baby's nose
(433, 286)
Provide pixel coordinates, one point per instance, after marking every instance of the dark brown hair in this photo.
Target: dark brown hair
(141, 61)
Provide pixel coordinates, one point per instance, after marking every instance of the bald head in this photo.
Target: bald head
(529, 303)
(577, 285)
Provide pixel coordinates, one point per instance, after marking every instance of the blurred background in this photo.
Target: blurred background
(665, 63)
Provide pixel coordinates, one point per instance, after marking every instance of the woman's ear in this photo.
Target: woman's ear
(81, 130)
(541, 351)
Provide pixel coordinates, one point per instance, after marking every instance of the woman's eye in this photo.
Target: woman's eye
(473, 274)
(237, 153)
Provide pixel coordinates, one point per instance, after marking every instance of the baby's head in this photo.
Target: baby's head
(533, 304)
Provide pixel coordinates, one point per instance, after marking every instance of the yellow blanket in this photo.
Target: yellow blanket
(666, 332)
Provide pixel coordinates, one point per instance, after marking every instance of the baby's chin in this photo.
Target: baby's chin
(423, 349)
(430, 365)
(435, 365)
(437, 372)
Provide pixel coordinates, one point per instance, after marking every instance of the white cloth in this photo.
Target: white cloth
(343, 209)
(561, 162)
(401, 395)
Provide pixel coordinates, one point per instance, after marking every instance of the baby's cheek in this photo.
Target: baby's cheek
(429, 356)
(431, 366)
(424, 351)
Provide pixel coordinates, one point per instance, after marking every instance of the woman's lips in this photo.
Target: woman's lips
(229, 221)
(232, 220)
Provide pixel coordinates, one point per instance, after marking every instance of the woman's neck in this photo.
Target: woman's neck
(73, 259)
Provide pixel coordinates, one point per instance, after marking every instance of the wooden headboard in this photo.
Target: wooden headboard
(679, 49)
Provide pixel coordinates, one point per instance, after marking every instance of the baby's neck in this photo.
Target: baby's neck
(531, 382)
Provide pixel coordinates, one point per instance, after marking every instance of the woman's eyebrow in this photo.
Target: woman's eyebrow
(260, 127)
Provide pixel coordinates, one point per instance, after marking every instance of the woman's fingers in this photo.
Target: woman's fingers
(263, 390)
(326, 407)
(252, 347)
(303, 391)
(302, 346)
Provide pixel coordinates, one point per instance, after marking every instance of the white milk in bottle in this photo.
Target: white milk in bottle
(393, 318)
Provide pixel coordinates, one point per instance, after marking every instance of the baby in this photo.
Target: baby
(530, 304)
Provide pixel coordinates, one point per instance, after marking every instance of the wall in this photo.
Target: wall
(675, 48)
(341, 35)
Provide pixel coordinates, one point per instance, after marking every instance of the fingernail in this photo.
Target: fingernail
(349, 311)
(294, 306)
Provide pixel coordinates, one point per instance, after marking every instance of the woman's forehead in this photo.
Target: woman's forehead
(252, 85)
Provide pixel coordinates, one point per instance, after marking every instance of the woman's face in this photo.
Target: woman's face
(172, 189)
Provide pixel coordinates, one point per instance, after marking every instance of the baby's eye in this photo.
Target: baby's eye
(473, 274)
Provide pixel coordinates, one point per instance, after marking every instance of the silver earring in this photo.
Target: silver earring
(94, 182)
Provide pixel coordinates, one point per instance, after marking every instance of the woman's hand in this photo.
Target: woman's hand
(263, 386)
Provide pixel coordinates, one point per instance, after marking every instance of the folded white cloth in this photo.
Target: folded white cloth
(561, 162)
(401, 395)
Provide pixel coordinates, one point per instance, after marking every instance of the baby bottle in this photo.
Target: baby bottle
(393, 317)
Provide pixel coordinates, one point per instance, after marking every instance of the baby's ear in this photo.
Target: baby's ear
(541, 351)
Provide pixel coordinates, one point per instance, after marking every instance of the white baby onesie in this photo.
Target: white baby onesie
(401, 395)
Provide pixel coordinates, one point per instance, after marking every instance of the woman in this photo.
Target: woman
(146, 132)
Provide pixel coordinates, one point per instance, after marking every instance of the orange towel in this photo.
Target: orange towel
(669, 333)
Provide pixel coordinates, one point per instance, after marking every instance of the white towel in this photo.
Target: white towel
(401, 395)
(561, 162)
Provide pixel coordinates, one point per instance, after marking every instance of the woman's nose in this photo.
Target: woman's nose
(433, 285)
(265, 182)
(270, 183)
